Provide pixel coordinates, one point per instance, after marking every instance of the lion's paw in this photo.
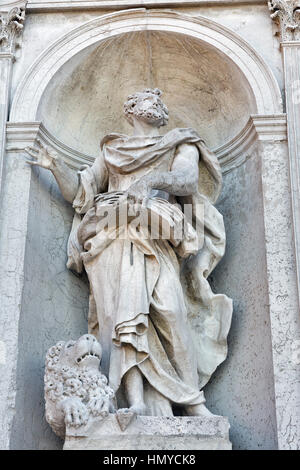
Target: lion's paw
(76, 413)
(99, 407)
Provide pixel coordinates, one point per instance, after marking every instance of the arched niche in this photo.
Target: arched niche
(212, 80)
(258, 75)
(202, 88)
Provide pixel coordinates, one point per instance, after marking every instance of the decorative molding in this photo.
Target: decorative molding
(286, 13)
(231, 155)
(291, 61)
(266, 128)
(20, 135)
(11, 27)
(270, 128)
(6, 55)
(252, 67)
(291, 44)
(37, 6)
(7, 5)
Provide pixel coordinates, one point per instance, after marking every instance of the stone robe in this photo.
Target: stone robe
(139, 306)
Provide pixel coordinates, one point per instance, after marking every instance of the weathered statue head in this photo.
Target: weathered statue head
(148, 106)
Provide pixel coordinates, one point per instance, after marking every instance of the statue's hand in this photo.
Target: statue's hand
(43, 155)
(139, 191)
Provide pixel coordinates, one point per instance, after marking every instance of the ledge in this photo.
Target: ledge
(266, 128)
(151, 433)
(36, 6)
(295, 43)
(7, 55)
(269, 128)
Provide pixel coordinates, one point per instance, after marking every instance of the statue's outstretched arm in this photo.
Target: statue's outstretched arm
(66, 178)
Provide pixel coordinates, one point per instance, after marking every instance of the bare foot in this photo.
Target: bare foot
(138, 409)
(198, 410)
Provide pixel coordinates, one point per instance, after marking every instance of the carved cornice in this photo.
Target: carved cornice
(21, 135)
(259, 128)
(286, 13)
(232, 154)
(7, 5)
(37, 6)
(11, 27)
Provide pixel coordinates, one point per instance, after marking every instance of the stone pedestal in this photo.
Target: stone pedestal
(151, 433)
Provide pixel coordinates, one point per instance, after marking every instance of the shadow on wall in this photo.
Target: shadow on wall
(243, 387)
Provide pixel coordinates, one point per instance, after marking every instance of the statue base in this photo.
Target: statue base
(151, 433)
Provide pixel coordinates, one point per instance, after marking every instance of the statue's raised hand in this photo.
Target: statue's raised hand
(42, 156)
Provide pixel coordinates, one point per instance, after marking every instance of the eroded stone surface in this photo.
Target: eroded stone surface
(75, 389)
(152, 433)
(140, 306)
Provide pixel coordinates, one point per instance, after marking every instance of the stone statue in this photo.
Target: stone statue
(162, 329)
(75, 389)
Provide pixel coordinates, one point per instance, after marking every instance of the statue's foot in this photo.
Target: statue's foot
(138, 409)
(198, 410)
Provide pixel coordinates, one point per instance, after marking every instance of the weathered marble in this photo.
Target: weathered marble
(247, 376)
(11, 27)
(33, 233)
(155, 360)
(151, 433)
(283, 291)
(285, 250)
(75, 389)
(53, 304)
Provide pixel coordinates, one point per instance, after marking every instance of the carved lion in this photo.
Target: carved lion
(75, 389)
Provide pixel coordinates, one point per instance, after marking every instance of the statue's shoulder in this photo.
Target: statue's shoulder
(182, 135)
(111, 137)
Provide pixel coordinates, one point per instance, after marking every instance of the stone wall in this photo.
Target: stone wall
(54, 307)
(243, 387)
